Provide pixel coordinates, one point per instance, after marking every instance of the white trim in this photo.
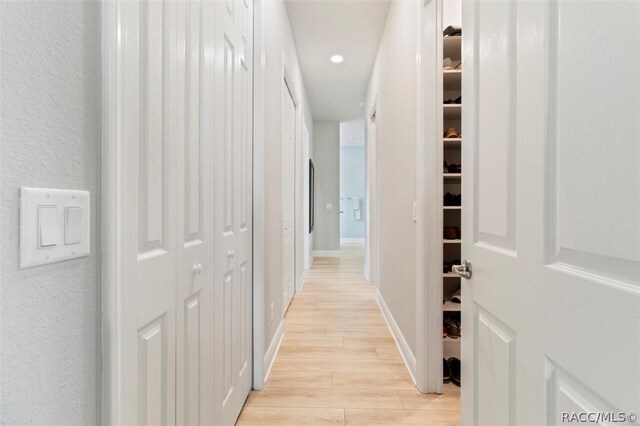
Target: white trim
(258, 198)
(326, 253)
(110, 229)
(365, 272)
(405, 351)
(272, 352)
(300, 284)
(351, 240)
(429, 196)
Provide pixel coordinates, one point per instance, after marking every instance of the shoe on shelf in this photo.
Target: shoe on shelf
(457, 200)
(446, 371)
(444, 331)
(452, 31)
(453, 328)
(454, 369)
(451, 133)
(456, 297)
(458, 232)
(445, 167)
(458, 67)
(458, 100)
(447, 65)
(449, 233)
(449, 198)
(454, 168)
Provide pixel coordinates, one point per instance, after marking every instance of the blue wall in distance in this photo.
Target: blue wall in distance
(352, 168)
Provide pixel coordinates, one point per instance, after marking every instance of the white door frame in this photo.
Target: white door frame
(306, 156)
(429, 201)
(371, 263)
(259, 191)
(287, 80)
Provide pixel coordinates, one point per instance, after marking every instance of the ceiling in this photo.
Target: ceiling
(351, 28)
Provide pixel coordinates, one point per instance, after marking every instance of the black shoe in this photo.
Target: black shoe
(446, 371)
(454, 367)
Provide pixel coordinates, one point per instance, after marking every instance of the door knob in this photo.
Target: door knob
(197, 269)
(231, 253)
(463, 270)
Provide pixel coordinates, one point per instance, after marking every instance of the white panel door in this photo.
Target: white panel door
(195, 193)
(146, 298)
(233, 204)
(288, 194)
(551, 225)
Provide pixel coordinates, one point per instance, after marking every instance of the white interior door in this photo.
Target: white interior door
(144, 328)
(195, 198)
(288, 193)
(551, 225)
(233, 204)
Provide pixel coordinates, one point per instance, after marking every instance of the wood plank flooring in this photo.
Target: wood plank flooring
(338, 363)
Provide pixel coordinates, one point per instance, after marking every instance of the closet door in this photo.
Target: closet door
(288, 193)
(551, 312)
(233, 181)
(144, 379)
(195, 212)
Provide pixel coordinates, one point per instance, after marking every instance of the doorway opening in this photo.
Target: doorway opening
(353, 200)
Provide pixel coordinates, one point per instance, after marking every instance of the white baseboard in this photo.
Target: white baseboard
(326, 253)
(301, 283)
(272, 352)
(407, 356)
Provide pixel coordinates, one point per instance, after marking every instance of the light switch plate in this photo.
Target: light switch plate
(45, 212)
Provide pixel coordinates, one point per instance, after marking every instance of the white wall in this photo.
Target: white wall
(326, 160)
(278, 44)
(394, 83)
(50, 124)
(352, 132)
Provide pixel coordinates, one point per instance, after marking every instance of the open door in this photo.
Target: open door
(551, 223)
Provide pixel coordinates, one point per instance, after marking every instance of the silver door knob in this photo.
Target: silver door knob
(463, 270)
(231, 253)
(197, 269)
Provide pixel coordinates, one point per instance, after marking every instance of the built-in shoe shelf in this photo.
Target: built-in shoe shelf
(452, 153)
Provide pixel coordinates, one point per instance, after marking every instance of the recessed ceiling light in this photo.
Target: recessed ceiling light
(336, 59)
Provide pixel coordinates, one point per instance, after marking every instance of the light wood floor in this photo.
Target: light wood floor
(338, 363)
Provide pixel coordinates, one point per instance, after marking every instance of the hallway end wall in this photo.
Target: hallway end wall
(326, 154)
(277, 47)
(50, 124)
(392, 87)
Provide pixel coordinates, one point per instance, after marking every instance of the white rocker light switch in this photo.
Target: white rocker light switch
(54, 225)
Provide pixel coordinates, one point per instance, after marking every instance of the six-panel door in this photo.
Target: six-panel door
(184, 136)
(551, 224)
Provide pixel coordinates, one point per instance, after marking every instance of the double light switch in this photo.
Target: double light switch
(54, 225)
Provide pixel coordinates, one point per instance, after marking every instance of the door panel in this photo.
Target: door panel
(552, 312)
(195, 186)
(233, 39)
(147, 216)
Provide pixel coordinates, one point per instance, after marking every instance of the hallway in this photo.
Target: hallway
(338, 363)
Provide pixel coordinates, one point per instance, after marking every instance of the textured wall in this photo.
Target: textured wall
(50, 135)
(326, 161)
(278, 44)
(393, 83)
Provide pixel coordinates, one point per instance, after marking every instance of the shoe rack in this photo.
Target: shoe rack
(452, 202)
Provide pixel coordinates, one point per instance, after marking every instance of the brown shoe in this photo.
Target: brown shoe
(451, 133)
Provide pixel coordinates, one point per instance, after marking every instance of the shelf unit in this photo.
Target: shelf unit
(452, 153)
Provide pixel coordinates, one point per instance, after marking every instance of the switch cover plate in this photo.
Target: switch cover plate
(54, 225)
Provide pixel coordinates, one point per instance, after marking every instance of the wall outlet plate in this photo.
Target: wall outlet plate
(54, 225)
